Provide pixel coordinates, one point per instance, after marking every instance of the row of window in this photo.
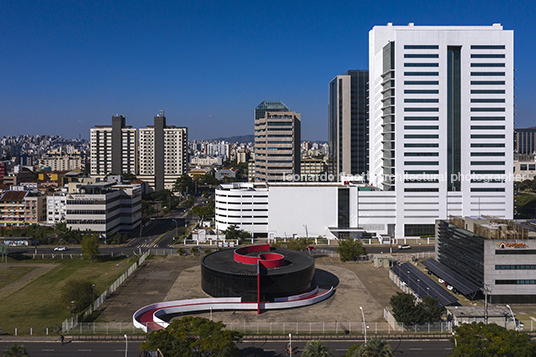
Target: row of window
(436, 47)
(515, 267)
(435, 64)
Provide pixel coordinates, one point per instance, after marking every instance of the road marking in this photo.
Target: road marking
(48, 350)
(269, 350)
(341, 349)
(415, 349)
(448, 348)
(87, 350)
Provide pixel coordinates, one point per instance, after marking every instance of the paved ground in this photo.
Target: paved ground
(175, 277)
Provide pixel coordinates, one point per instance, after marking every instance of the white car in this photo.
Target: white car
(404, 246)
(60, 249)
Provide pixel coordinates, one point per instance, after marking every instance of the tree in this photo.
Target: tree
(181, 251)
(350, 249)
(183, 184)
(78, 290)
(376, 347)
(128, 176)
(404, 309)
(431, 310)
(194, 250)
(233, 233)
(480, 340)
(194, 337)
(316, 348)
(16, 351)
(90, 246)
(298, 244)
(407, 310)
(353, 351)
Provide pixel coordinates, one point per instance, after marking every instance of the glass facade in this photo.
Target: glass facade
(462, 251)
(344, 207)
(453, 117)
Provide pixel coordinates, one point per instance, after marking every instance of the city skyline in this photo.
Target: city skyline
(70, 67)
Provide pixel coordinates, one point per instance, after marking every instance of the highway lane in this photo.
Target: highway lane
(267, 348)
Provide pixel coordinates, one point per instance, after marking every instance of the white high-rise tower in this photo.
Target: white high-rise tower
(441, 106)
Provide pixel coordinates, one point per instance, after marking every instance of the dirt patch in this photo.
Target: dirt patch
(177, 278)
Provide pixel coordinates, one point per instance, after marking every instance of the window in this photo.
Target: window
(421, 127)
(487, 154)
(421, 154)
(487, 136)
(423, 109)
(487, 145)
(423, 100)
(532, 167)
(487, 127)
(421, 118)
(421, 64)
(422, 145)
(492, 100)
(422, 136)
(523, 167)
(421, 172)
(421, 55)
(421, 82)
(487, 64)
(487, 172)
(429, 163)
(487, 83)
(477, 55)
(487, 91)
(486, 163)
(487, 109)
(487, 73)
(487, 47)
(422, 73)
(515, 267)
(417, 230)
(487, 118)
(421, 91)
(421, 47)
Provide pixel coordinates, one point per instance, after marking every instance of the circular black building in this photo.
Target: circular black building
(233, 273)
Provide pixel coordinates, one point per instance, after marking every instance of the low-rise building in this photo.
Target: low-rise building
(21, 208)
(103, 207)
(225, 173)
(496, 255)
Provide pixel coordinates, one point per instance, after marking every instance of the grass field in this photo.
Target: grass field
(12, 274)
(37, 304)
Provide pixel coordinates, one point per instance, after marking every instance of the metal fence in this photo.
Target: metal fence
(73, 321)
(441, 326)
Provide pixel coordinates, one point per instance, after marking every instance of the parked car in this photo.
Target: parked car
(404, 246)
(60, 249)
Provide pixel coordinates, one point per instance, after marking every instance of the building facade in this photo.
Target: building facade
(163, 153)
(525, 140)
(277, 142)
(114, 148)
(448, 116)
(348, 124)
(494, 254)
(21, 208)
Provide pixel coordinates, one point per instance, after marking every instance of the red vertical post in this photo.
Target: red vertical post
(258, 288)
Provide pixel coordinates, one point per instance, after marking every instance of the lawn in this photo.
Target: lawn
(37, 304)
(12, 274)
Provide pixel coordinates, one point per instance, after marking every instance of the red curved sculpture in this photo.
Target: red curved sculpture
(268, 260)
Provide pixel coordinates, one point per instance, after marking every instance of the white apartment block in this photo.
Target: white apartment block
(163, 154)
(114, 148)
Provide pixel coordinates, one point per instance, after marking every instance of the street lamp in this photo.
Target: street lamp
(126, 345)
(72, 305)
(513, 317)
(93, 292)
(419, 287)
(364, 322)
(290, 343)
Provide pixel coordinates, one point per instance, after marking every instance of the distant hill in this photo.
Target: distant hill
(238, 139)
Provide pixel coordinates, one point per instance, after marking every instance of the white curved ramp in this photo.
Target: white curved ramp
(151, 317)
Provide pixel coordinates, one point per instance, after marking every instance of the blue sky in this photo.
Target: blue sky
(66, 66)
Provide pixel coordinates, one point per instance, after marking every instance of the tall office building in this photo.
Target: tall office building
(348, 124)
(441, 120)
(525, 140)
(114, 148)
(163, 153)
(277, 142)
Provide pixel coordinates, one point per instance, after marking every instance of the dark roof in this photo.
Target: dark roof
(450, 276)
(422, 284)
(10, 196)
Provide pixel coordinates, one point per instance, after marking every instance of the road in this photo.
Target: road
(269, 349)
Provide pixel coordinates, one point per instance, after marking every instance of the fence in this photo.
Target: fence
(441, 326)
(73, 321)
(279, 328)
